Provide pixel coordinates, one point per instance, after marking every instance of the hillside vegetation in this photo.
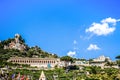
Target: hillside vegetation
(7, 50)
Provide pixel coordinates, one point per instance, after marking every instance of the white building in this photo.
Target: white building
(82, 63)
(36, 62)
(100, 61)
(64, 63)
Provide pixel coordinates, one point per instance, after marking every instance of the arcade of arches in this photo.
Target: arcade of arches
(38, 62)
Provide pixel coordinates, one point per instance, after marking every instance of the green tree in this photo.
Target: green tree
(66, 58)
(21, 40)
(118, 60)
(110, 64)
(117, 57)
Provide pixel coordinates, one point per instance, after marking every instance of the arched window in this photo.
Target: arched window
(40, 61)
(52, 61)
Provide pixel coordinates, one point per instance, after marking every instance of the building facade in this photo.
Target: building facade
(82, 63)
(36, 62)
(64, 63)
(100, 61)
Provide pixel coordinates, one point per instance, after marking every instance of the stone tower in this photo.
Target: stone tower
(17, 36)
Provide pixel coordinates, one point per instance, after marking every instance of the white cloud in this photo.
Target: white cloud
(71, 53)
(93, 47)
(100, 29)
(74, 42)
(106, 27)
(110, 20)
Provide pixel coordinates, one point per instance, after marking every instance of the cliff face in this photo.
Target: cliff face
(16, 43)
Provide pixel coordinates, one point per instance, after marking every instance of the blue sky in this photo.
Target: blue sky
(79, 28)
